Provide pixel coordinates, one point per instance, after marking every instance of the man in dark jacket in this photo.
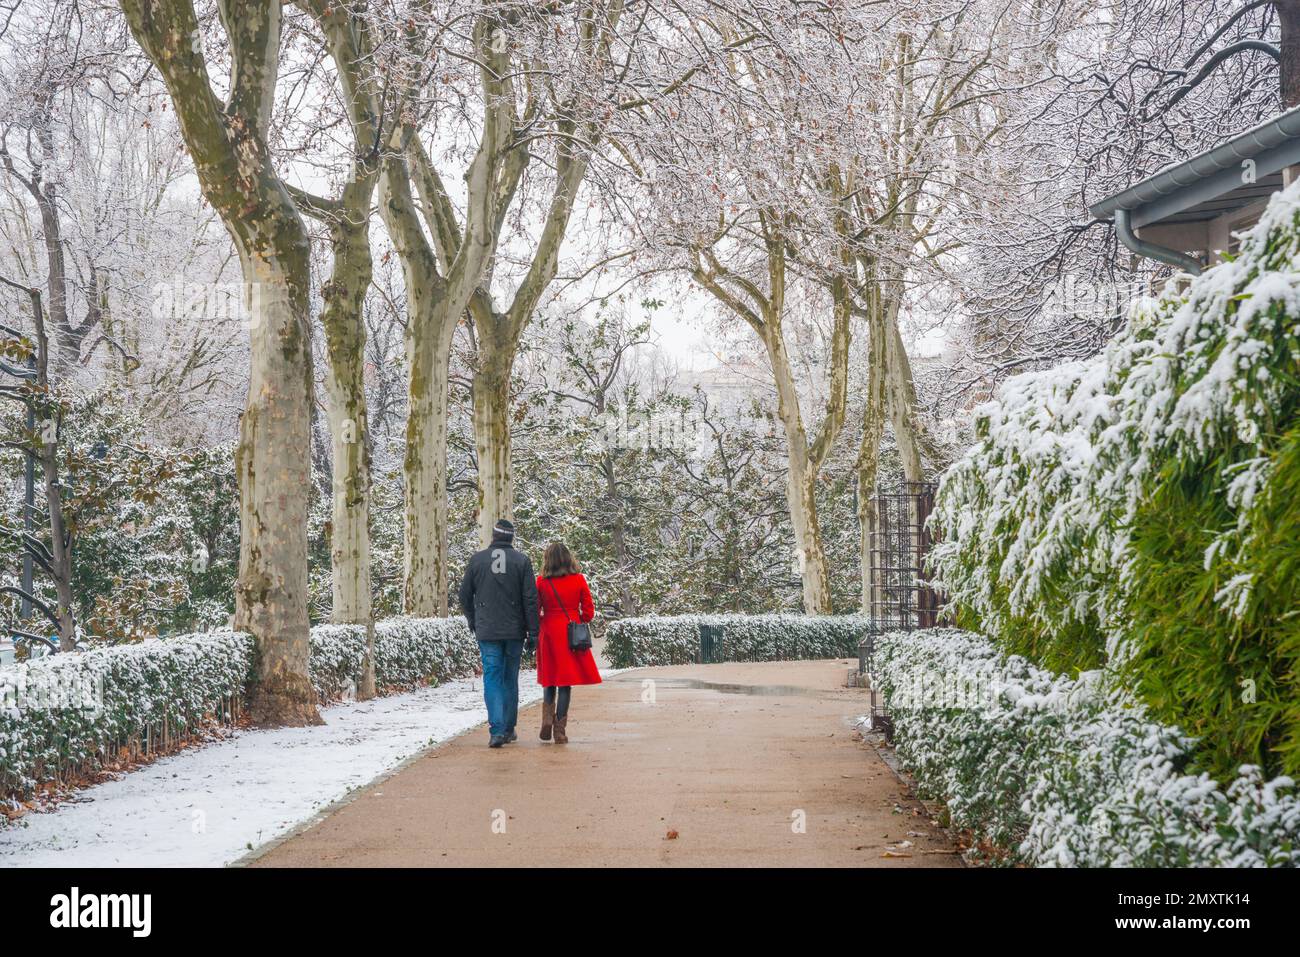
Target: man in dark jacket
(499, 596)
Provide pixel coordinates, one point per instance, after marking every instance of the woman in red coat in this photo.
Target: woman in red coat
(562, 597)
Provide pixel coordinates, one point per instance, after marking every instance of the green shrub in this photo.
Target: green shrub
(675, 639)
(70, 711)
(1141, 509)
(1068, 772)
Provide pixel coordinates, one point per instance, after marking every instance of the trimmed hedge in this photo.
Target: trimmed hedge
(69, 712)
(675, 640)
(1142, 509)
(409, 652)
(1068, 772)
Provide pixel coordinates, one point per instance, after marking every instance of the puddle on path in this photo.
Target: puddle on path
(727, 687)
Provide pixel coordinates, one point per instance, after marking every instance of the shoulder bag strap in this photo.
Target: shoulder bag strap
(551, 582)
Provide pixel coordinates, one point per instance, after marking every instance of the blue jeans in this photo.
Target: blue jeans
(501, 682)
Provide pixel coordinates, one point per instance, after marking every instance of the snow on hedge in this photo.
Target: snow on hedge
(1141, 508)
(70, 712)
(415, 651)
(675, 640)
(67, 711)
(1036, 517)
(206, 807)
(1068, 772)
(409, 652)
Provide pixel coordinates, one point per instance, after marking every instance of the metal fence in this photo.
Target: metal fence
(902, 598)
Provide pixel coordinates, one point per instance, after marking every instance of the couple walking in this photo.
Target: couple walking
(511, 611)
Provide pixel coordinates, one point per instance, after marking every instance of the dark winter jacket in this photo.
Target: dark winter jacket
(499, 593)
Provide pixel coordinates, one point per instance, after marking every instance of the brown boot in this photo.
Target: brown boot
(561, 737)
(548, 719)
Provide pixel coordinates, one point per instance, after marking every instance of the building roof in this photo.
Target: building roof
(1210, 184)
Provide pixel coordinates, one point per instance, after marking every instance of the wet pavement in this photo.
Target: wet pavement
(747, 764)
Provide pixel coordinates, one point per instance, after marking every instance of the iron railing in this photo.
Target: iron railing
(901, 596)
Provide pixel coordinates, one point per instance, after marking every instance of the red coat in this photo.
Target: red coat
(556, 664)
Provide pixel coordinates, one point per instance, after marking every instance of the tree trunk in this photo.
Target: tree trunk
(1288, 14)
(227, 142)
(273, 469)
(60, 546)
(428, 346)
(902, 401)
(801, 480)
(345, 337)
(492, 434)
(868, 461)
(801, 492)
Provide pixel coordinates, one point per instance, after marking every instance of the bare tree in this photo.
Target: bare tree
(42, 447)
(228, 144)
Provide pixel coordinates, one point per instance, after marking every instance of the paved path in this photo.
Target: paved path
(717, 770)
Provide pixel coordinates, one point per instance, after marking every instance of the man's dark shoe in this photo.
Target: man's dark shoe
(511, 736)
(496, 740)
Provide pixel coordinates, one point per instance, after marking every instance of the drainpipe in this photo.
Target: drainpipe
(1150, 250)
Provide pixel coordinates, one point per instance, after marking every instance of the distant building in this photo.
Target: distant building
(1186, 214)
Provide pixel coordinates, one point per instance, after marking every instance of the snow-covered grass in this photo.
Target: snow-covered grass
(675, 639)
(1069, 772)
(1142, 508)
(210, 805)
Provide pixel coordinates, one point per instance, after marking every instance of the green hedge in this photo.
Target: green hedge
(675, 640)
(1068, 772)
(1142, 509)
(409, 652)
(70, 712)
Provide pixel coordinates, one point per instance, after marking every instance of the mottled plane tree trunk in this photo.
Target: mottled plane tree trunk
(880, 313)
(227, 142)
(764, 311)
(347, 219)
(440, 277)
(498, 335)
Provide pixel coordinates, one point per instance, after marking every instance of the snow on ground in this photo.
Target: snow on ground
(210, 805)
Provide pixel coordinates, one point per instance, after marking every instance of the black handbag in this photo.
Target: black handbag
(579, 631)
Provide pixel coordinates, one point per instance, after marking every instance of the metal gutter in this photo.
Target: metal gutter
(1272, 145)
(1150, 250)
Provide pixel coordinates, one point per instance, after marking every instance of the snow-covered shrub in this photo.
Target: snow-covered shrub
(1074, 772)
(69, 711)
(675, 639)
(415, 651)
(409, 652)
(338, 653)
(1143, 508)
